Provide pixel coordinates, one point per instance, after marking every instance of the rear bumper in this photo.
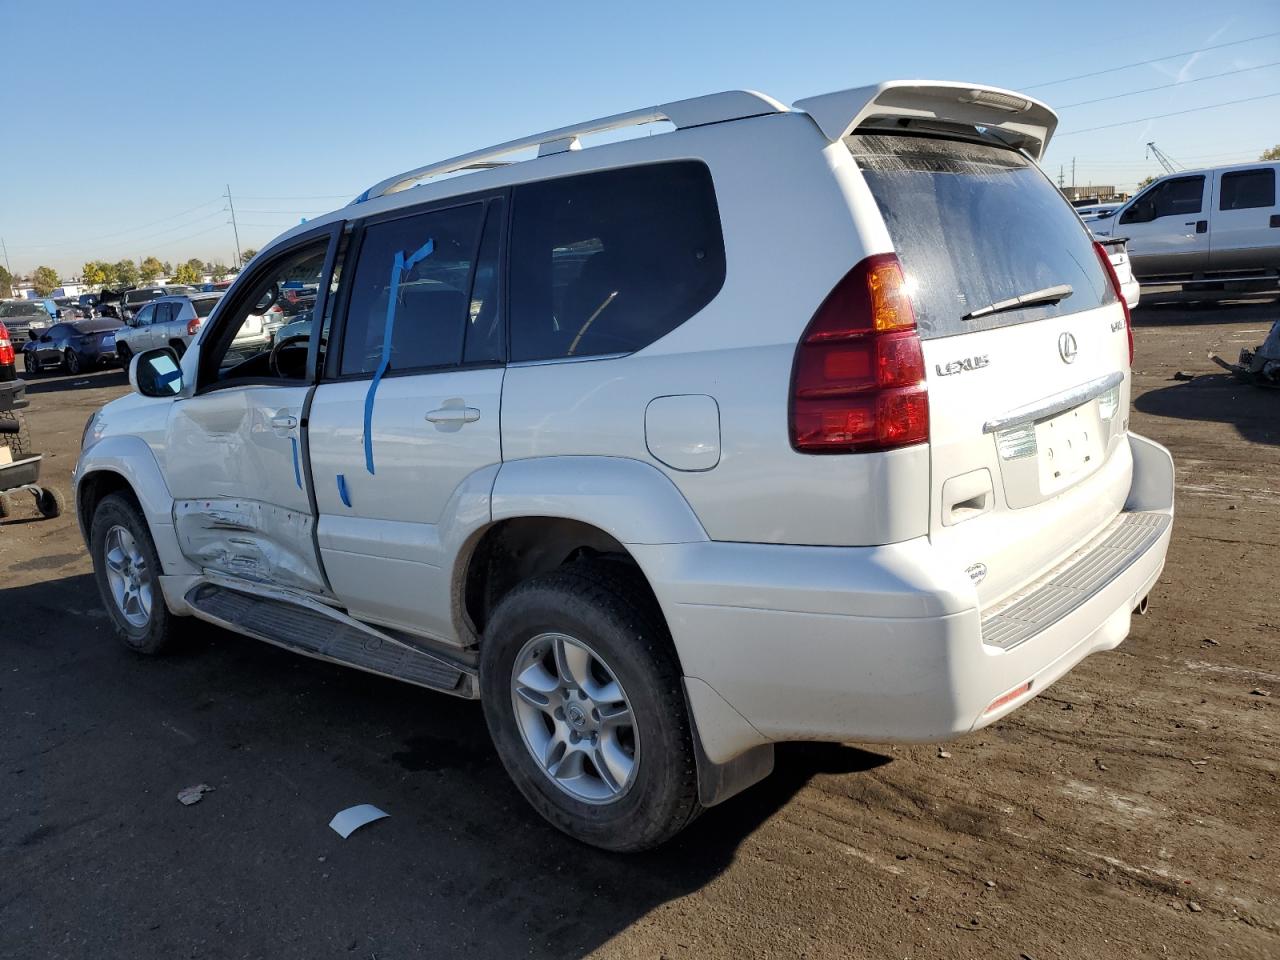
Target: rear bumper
(886, 643)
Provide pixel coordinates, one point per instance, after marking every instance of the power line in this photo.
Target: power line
(1176, 113)
(1140, 63)
(1166, 86)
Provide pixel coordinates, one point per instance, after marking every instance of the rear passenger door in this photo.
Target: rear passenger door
(403, 431)
(160, 331)
(1245, 232)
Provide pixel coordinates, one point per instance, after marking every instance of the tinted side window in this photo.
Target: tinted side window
(164, 313)
(1179, 197)
(1248, 188)
(414, 276)
(609, 262)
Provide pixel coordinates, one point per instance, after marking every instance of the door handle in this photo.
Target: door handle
(1202, 226)
(284, 422)
(457, 415)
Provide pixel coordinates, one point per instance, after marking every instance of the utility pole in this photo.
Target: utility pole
(234, 228)
(1073, 173)
(6, 256)
(1061, 178)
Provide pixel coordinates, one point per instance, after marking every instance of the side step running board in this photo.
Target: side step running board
(316, 631)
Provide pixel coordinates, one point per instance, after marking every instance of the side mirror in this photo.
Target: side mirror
(155, 373)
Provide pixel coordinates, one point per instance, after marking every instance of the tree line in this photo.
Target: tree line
(125, 273)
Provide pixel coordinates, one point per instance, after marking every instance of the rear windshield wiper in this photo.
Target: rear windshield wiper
(1032, 299)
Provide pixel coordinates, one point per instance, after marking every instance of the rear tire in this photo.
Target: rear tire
(604, 614)
(178, 348)
(124, 563)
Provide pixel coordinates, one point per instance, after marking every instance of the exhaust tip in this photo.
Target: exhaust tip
(1141, 608)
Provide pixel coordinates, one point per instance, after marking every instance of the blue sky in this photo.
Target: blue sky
(125, 121)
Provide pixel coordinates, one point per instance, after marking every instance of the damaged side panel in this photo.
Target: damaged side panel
(251, 540)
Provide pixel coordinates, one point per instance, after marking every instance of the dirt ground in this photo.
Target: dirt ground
(1133, 810)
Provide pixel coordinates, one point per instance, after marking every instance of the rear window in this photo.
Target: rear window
(976, 224)
(609, 262)
(204, 305)
(142, 296)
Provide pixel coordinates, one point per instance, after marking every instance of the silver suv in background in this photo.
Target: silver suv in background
(171, 321)
(804, 423)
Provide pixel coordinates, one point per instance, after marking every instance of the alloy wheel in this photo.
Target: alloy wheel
(128, 576)
(575, 718)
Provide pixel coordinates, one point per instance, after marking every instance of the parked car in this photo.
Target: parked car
(1094, 210)
(72, 346)
(166, 322)
(1198, 227)
(89, 302)
(8, 370)
(22, 317)
(1118, 253)
(131, 301)
(790, 423)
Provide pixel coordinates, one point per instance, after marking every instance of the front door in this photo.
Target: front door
(403, 432)
(142, 336)
(1168, 228)
(232, 456)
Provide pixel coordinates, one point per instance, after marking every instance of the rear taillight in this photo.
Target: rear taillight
(1108, 266)
(857, 383)
(193, 326)
(6, 347)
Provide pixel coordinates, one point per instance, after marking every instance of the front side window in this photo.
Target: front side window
(1179, 197)
(240, 347)
(145, 316)
(609, 262)
(412, 281)
(1247, 189)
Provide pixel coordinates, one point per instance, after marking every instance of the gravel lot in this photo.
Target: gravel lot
(1133, 810)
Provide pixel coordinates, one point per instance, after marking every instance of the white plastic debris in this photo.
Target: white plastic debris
(193, 794)
(347, 821)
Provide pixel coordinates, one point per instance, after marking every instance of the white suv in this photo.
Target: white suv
(791, 423)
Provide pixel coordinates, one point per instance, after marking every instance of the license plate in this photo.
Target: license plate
(1069, 445)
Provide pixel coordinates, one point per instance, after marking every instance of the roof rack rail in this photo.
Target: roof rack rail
(694, 112)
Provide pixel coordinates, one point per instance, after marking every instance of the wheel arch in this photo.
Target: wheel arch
(126, 464)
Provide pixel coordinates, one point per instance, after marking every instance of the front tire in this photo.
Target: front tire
(124, 355)
(585, 703)
(127, 570)
(72, 362)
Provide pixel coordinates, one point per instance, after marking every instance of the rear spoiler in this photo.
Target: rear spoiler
(1016, 118)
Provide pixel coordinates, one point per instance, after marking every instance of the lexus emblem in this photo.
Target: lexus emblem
(1067, 347)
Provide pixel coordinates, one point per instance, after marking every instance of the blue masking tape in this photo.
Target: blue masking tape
(398, 270)
(342, 490)
(297, 467)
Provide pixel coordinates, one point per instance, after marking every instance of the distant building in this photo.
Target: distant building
(1093, 193)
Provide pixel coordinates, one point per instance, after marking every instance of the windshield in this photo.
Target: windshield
(974, 225)
(19, 308)
(142, 296)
